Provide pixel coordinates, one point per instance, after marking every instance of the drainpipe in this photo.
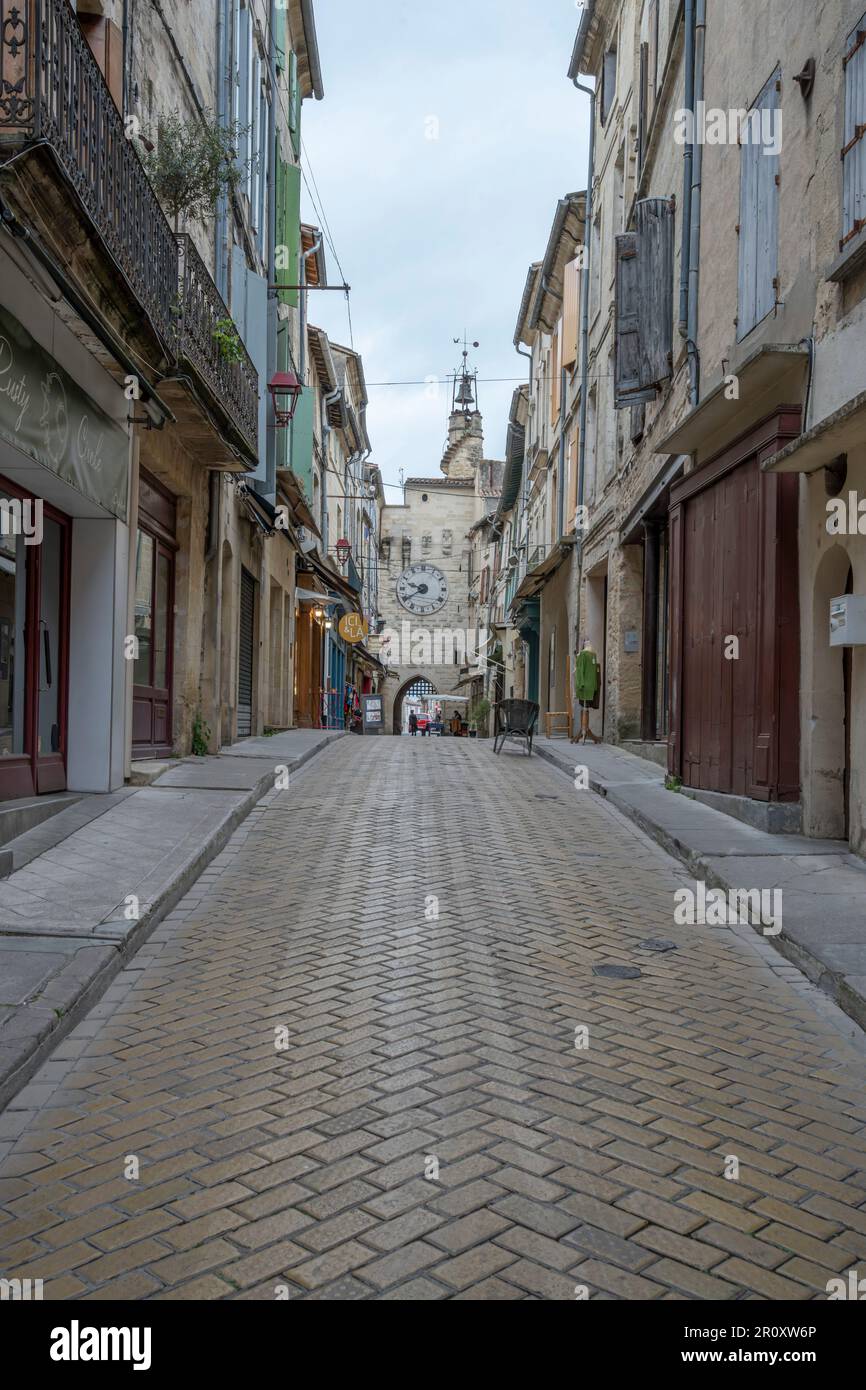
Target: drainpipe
(584, 308)
(525, 478)
(688, 157)
(273, 308)
(695, 222)
(560, 498)
(221, 219)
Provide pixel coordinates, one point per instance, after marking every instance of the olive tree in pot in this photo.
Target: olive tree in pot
(479, 717)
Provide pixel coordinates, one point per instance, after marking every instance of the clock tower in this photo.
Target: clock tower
(424, 567)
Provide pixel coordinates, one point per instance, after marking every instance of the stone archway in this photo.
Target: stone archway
(826, 769)
(416, 684)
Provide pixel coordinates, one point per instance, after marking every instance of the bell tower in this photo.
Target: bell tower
(465, 446)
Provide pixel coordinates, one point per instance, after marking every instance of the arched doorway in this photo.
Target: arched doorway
(416, 686)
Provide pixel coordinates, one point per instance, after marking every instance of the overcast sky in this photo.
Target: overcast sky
(435, 235)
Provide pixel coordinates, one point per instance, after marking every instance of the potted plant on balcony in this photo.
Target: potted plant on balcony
(227, 340)
(192, 163)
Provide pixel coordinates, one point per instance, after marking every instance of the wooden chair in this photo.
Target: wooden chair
(565, 731)
(515, 719)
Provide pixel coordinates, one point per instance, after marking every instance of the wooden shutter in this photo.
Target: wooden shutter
(643, 105)
(654, 225)
(294, 104)
(570, 312)
(759, 220)
(608, 87)
(554, 376)
(288, 228)
(653, 55)
(854, 131)
(627, 387)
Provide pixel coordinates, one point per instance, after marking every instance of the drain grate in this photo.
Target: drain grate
(658, 943)
(617, 972)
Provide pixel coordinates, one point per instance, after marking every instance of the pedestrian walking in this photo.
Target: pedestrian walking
(413, 723)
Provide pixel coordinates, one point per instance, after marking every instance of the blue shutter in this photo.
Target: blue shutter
(759, 220)
(853, 142)
(768, 216)
(256, 339)
(239, 290)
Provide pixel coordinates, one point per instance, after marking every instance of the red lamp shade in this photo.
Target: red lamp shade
(285, 389)
(344, 550)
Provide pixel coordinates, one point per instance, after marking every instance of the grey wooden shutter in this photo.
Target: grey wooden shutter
(654, 224)
(759, 218)
(854, 143)
(643, 105)
(627, 355)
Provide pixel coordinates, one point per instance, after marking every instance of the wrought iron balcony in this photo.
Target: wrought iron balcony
(52, 92)
(56, 108)
(232, 384)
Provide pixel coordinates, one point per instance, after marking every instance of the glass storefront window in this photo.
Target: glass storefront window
(144, 606)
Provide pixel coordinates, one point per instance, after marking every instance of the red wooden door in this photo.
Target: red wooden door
(154, 630)
(34, 630)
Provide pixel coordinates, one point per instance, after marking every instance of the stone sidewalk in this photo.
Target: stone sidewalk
(414, 1035)
(823, 885)
(90, 884)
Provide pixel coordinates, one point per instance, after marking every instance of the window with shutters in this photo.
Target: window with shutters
(643, 350)
(759, 214)
(854, 146)
(608, 83)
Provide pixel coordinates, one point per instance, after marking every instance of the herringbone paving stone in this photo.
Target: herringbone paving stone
(349, 1066)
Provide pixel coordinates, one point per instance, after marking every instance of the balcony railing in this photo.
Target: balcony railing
(234, 384)
(52, 93)
(52, 90)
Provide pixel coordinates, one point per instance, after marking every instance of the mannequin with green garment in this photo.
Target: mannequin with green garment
(587, 679)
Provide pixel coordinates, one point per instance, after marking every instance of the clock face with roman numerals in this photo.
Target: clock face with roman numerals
(422, 589)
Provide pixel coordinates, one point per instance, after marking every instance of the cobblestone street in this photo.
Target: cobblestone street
(424, 920)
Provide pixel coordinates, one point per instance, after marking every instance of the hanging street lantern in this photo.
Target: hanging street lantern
(285, 389)
(344, 550)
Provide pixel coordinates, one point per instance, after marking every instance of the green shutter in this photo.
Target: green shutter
(301, 449)
(294, 105)
(283, 365)
(288, 229)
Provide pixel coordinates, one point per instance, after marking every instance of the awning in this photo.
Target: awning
(653, 503)
(819, 446)
(312, 596)
(290, 485)
(536, 578)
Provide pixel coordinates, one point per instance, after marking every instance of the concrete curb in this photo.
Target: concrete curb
(833, 983)
(81, 997)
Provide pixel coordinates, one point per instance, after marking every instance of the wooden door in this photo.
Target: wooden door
(34, 635)
(154, 631)
(246, 649)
